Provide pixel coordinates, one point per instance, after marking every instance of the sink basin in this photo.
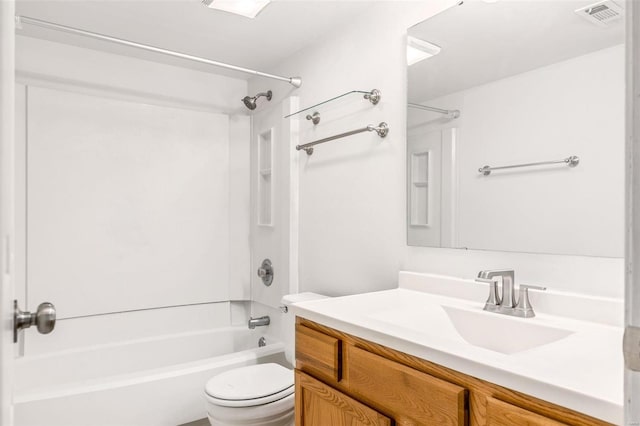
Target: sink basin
(488, 330)
(502, 333)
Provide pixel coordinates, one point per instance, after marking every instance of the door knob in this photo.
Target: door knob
(44, 319)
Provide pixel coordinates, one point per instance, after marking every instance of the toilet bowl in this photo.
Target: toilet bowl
(257, 395)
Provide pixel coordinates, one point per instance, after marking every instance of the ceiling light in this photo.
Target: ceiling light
(248, 8)
(418, 50)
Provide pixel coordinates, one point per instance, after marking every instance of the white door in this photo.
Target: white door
(7, 127)
(273, 197)
(632, 231)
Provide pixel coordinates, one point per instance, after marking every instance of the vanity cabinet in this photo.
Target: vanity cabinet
(499, 413)
(320, 404)
(405, 393)
(345, 380)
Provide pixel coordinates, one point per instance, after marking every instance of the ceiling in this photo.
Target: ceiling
(186, 26)
(483, 42)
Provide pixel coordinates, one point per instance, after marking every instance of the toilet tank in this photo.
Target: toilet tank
(289, 321)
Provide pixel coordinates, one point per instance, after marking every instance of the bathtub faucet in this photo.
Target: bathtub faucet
(259, 322)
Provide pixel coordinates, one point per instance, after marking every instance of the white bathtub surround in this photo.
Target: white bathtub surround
(148, 159)
(582, 371)
(116, 193)
(152, 381)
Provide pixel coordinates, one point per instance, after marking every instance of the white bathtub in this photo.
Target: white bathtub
(155, 381)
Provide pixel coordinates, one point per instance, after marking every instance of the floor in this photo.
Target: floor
(201, 422)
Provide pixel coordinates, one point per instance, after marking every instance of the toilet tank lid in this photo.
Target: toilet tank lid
(250, 382)
(289, 299)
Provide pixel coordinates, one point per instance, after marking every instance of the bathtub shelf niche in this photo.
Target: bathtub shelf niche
(265, 186)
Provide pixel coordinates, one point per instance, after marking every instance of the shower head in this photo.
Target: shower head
(250, 101)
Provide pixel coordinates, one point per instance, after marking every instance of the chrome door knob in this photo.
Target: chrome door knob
(44, 319)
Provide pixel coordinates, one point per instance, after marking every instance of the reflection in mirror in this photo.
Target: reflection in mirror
(513, 83)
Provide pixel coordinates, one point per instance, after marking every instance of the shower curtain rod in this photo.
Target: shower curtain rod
(449, 113)
(294, 81)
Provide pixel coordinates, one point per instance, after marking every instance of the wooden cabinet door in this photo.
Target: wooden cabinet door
(500, 413)
(318, 354)
(318, 404)
(410, 396)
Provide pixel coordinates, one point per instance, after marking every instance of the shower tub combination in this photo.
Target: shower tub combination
(152, 381)
(149, 381)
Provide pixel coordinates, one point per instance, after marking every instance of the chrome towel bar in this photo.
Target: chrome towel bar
(382, 130)
(572, 161)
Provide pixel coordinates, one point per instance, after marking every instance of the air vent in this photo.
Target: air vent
(602, 13)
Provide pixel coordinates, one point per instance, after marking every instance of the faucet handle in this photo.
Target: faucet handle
(493, 301)
(532, 287)
(523, 308)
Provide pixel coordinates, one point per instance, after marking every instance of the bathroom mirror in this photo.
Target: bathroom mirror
(511, 83)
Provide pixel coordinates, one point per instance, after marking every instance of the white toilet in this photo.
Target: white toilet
(257, 395)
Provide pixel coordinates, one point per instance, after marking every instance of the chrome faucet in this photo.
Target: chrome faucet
(507, 304)
(259, 322)
(507, 301)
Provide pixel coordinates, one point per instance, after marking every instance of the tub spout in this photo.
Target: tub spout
(259, 322)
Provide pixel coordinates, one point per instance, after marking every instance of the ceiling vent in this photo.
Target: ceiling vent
(602, 13)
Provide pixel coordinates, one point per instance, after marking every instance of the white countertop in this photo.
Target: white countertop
(583, 371)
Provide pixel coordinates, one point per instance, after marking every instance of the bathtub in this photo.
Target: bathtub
(153, 381)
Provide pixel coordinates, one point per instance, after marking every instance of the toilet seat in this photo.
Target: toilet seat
(276, 413)
(250, 386)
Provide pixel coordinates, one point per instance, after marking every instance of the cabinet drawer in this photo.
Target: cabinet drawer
(318, 404)
(408, 395)
(500, 413)
(318, 354)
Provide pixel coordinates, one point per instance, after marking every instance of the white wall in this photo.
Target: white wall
(352, 191)
(175, 129)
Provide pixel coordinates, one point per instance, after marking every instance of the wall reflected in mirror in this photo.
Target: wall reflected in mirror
(509, 83)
